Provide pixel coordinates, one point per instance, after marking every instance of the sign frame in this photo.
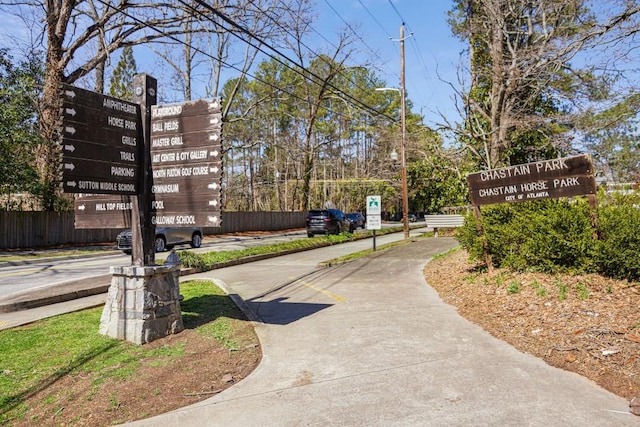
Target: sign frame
(556, 178)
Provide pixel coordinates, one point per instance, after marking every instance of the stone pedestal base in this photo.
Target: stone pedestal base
(143, 303)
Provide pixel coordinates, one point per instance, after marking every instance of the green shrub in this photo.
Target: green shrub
(513, 288)
(618, 247)
(547, 236)
(558, 236)
(467, 236)
(553, 235)
(562, 290)
(583, 291)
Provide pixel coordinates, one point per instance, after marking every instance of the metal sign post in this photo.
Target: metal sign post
(374, 211)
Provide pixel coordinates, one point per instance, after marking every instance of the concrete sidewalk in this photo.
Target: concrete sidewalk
(368, 343)
(33, 304)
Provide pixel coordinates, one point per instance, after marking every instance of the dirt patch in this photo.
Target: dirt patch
(158, 385)
(586, 324)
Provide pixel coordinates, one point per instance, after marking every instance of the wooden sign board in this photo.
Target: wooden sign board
(186, 162)
(102, 211)
(186, 165)
(101, 143)
(565, 177)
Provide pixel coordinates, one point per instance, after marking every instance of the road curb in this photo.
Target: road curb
(56, 294)
(100, 284)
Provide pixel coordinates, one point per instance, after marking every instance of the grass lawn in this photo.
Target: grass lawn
(36, 356)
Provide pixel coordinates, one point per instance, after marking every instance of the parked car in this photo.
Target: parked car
(166, 238)
(357, 219)
(327, 221)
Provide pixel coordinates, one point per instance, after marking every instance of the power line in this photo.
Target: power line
(321, 57)
(374, 18)
(397, 12)
(303, 73)
(175, 39)
(375, 54)
(350, 27)
(415, 46)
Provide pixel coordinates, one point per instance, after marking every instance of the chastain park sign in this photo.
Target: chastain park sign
(565, 177)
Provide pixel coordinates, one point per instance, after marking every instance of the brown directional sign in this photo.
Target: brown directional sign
(98, 177)
(182, 219)
(93, 132)
(76, 96)
(102, 211)
(101, 143)
(186, 155)
(177, 187)
(565, 177)
(172, 125)
(86, 150)
(111, 211)
(185, 145)
(186, 109)
(208, 138)
(186, 163)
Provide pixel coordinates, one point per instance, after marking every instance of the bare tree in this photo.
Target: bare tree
(523, 75)
(78, 37)
(209, 35)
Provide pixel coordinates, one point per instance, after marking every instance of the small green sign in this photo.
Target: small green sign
(374, 205)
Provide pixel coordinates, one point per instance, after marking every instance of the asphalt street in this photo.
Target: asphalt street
(42, 272)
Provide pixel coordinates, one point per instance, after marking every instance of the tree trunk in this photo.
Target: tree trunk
(48, 156)
(100, 69)
(497, 94)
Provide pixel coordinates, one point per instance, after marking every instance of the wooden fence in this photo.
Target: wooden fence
(21, 230)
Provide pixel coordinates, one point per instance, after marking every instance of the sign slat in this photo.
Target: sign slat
(175, 125)
(75, 150)
(186, 156)
(100, 152)
(565, 177)
(189, 219)
(76, 96)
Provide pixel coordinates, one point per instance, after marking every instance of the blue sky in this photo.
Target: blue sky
(430, 51)
(429, 47)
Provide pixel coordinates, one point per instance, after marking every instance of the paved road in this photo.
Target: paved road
(89, 291)
(22, 276)
(368, 343)
(17, 277)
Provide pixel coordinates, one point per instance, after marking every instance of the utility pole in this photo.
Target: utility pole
(403, 125)
(405, 196)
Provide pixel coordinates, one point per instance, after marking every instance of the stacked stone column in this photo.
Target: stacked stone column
(143, 303)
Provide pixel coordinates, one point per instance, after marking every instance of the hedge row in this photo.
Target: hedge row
(560, 236)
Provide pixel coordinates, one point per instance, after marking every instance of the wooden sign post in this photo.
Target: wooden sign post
(143, 230)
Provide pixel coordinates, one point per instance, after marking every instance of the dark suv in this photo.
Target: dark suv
(166, 238)
(327, 221)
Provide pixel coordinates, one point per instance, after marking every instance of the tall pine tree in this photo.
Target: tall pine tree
(121, 83)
